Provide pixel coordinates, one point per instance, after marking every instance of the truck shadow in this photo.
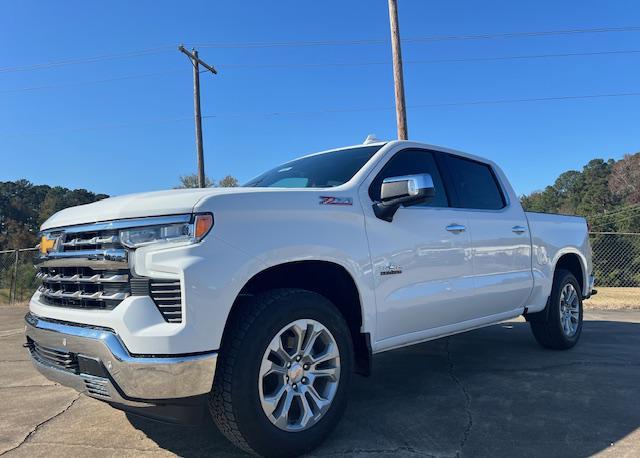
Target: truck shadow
(490, 392)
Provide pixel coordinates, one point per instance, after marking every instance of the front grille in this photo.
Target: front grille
(84, 287)
(88, 269)
(54, 357)
(93, 240)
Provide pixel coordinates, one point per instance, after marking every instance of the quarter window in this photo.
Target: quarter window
(411, 162)
(475, 184)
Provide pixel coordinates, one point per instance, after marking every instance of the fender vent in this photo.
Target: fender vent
(167, 295)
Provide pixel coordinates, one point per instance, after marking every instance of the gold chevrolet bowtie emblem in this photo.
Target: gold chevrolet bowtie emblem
(46, 244)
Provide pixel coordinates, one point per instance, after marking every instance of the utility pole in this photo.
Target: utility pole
(398, 79)
(196, 62)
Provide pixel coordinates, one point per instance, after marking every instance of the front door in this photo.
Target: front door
(421, 260)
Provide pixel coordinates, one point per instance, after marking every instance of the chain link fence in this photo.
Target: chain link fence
(616, 259)
(616, 263)
(17, 275)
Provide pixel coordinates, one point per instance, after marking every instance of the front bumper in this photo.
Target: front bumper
(95, 361)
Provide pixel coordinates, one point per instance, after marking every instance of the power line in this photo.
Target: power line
(432, 38)
(432, 61)
(149, 122)
(347, 110)
(86, 60)
(428, 105)
(90, 82)
(532, 99)
(327, 64)
(616, 220)
(633, 207)
(276, 44)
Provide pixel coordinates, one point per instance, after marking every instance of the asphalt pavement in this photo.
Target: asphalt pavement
(491, 392)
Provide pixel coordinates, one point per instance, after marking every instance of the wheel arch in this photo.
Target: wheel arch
(569, 260)
(573, 262)
(326, 278)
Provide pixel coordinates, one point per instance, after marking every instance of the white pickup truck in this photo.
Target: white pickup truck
(261, 301)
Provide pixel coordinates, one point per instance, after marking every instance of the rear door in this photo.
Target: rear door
(499, 235)
(421, 260)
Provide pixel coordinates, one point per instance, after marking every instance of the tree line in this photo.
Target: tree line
(24, 206)
(607, 194)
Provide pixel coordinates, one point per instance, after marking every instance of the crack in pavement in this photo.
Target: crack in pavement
(99, 447)
(364, 451)
(558, 366)
(27, 386)
(467, 398)
(42, 423)
(11, 332)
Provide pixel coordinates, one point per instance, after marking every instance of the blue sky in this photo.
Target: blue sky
(134, 132)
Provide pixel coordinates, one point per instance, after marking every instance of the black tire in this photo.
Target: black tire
(234, 401)
(550, 333)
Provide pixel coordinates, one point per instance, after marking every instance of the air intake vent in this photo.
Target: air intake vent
(168, 297)
(166, 294)
(54, 357)
(96, 386)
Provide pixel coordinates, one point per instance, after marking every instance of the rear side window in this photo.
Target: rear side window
(411, 162)
(475, 184)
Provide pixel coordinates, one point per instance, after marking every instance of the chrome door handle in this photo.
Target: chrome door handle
(519, 229)
(456, 228)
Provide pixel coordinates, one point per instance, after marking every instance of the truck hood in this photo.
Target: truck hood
(170, 202)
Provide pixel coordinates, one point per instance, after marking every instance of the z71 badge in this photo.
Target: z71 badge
(391, 269)
(329, 200)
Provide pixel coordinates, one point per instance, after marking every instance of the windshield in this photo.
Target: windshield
(323, 170)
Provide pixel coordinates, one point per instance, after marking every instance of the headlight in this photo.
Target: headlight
(191, 232)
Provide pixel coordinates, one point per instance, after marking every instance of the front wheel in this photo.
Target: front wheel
(283, 373)
(563, 327)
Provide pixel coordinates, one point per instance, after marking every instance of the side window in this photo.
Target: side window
(411, 162)
(475, 184)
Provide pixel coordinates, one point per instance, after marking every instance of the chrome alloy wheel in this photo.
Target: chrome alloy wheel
(569, 310)
(299, 375)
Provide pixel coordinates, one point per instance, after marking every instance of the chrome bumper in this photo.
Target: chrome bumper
(94, 361)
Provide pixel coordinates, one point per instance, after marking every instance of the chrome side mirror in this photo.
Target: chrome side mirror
(405, 190)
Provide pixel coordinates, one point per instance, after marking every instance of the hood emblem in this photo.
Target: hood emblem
(48, 244)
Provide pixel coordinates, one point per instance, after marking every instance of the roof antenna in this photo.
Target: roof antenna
(371, 138)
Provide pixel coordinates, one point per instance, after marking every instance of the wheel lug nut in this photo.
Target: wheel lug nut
(304, 380)
(295, 387)
(298, 358)
(306, 367)
(288, 365)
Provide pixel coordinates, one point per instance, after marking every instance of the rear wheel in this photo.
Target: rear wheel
(564, 324)
(283, 373)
